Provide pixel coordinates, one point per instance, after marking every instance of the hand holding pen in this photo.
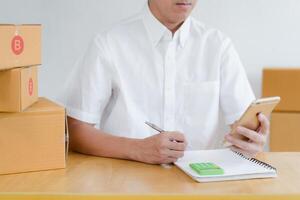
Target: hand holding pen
(167, 146)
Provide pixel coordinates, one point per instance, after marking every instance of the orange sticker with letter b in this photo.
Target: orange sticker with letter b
(17, 45)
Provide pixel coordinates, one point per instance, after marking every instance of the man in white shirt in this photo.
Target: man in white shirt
(165, 67)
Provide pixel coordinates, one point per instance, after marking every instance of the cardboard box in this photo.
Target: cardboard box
(285, 132)
(20, 45)
(18, 89)
(34, 139)
(283, 82)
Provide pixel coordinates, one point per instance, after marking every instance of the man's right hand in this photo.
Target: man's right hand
(162, 148)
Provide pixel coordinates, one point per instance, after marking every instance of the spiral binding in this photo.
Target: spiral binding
(254, 160)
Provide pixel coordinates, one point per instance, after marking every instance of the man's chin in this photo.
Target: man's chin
(180, 18)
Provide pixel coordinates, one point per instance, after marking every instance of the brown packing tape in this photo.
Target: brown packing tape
(17, 27)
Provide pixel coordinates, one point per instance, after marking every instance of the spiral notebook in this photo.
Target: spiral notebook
(235, 165)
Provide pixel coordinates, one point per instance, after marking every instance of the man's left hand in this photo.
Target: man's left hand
(256, 139)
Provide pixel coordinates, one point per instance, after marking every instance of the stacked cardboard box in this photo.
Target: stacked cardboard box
(285, 121)
(32, 129)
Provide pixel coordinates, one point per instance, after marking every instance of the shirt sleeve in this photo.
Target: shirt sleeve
(91, 85)
(236, 93)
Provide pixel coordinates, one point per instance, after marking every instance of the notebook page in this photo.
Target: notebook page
(232, 164)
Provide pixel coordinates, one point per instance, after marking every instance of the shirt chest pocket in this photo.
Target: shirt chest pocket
(201, 100)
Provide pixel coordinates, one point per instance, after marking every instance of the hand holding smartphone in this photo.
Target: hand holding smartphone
(250, 118)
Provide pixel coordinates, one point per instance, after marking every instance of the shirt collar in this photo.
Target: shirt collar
(157, 30)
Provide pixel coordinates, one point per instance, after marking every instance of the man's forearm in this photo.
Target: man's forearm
(155, 149)
(86, 139)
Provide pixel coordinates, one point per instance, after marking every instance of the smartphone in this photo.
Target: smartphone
(250, 117)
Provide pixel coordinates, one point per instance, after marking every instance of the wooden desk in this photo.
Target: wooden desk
(92, 177)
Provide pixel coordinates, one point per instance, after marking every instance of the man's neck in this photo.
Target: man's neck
(172, 26)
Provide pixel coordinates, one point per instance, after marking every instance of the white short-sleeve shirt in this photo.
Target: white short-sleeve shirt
(137, 71)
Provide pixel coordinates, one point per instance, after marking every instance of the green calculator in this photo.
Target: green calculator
(206, 169)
